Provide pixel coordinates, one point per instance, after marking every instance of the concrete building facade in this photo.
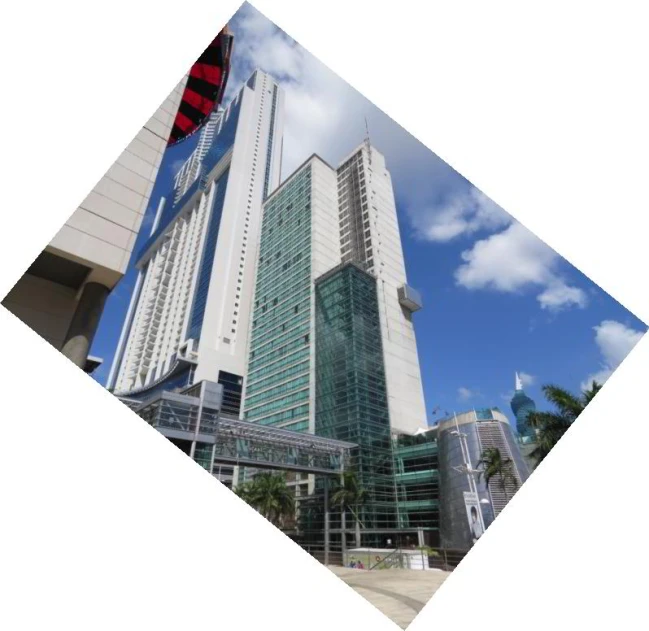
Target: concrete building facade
(481, 429)
(61, 296)
(369, 233)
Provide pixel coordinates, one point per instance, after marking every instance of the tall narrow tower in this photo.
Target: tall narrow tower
(190, 311)
(369, 234)
(319, 218)
(522, 406)
(332, 348)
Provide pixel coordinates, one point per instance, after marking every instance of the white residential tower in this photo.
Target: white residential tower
(189, 316)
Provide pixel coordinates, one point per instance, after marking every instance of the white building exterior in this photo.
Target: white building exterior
(190, 311)
(369, 232)
(89, 255)
(343, 215)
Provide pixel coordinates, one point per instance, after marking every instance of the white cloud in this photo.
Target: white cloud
(526, 379)
(615, 341)
(464, 394)
(513, 260)
(316, 100)
(559, 295)
(465, 213)
(325, 115)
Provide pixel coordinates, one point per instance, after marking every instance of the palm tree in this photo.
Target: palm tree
(551, 426)
(494, 465)
(349, 494)
(269, 495)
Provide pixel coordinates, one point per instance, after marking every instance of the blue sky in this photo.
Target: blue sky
(496, 299)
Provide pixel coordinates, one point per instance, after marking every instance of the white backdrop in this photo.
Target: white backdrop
(106, 525)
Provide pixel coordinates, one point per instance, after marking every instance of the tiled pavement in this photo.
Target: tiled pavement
(399, 594)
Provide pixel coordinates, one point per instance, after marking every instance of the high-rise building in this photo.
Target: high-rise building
(190, 311)
(62, 294)
(317, 219)
(297, 245)
(369, 235)
(522, 406)
(351, 387)
(332, 347)
(188, 172)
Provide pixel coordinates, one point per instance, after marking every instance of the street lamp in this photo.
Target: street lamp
(467, 468)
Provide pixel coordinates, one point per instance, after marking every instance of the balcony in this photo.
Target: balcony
(409, 298)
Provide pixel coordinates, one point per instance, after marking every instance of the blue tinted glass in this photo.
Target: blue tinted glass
(205, 271)
(223, 142)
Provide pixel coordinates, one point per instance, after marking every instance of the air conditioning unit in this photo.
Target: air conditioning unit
(409, 298)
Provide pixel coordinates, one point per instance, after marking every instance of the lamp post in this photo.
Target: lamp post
(467, 468)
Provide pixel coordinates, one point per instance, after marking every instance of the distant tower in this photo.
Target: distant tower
(522, 405)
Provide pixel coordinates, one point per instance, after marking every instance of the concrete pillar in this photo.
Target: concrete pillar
(84, 323)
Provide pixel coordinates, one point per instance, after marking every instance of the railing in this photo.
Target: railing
(400, 558)
(446, 559)
(392, 560)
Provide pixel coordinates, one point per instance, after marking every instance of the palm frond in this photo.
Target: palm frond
(567, 404)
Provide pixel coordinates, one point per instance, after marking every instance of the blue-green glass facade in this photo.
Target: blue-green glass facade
(522, 406)
(417, 482)
(277, 390)
(351, 395)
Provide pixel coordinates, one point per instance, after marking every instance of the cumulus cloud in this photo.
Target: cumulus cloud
(514, 260)
(325, 115)
(464, 213)
(615, 341)
(316, 100)
(559, 295)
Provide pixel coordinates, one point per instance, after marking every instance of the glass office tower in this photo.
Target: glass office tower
(330, 256)
(350, 391)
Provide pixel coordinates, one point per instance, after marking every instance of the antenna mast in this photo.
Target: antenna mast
(367, 142)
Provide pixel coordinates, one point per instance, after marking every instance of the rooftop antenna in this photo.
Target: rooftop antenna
(367, 142)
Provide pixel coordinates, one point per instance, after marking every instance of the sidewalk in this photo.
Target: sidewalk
(399, 594)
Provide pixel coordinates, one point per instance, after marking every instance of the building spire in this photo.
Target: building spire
(519, 383)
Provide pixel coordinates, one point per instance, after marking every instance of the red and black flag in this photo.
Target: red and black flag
(205, 87)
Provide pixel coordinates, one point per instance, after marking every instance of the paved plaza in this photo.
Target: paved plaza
(399, 594)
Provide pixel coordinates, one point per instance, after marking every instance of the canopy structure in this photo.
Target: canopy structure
(205, 87)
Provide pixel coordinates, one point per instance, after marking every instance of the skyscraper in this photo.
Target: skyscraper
(317, 219)
(189, 315)
(522, 406)
(369, 234)
(332, 347)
